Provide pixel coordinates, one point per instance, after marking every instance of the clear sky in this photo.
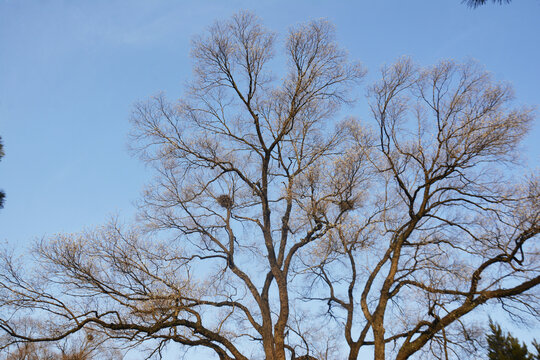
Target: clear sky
(71, 70)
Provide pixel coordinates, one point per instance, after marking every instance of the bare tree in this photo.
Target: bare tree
(447, 231)
(273, 231)
(88, 345)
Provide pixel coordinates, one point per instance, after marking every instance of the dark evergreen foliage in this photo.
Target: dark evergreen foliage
(477, 3)
(507, 347)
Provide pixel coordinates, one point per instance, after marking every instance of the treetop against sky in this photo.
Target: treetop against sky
(262, 146)
(71, 72)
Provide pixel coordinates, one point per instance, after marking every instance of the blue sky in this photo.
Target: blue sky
(70, 72)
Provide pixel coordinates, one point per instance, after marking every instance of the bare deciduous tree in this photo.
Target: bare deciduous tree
(87, 346)
(447, 230)
(273, 231)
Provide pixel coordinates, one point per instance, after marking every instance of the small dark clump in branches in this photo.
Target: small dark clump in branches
(225, 201)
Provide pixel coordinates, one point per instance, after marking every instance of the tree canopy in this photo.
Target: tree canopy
(275, 229)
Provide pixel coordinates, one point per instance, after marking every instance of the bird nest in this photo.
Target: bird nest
(346, 205)
(225, 201)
